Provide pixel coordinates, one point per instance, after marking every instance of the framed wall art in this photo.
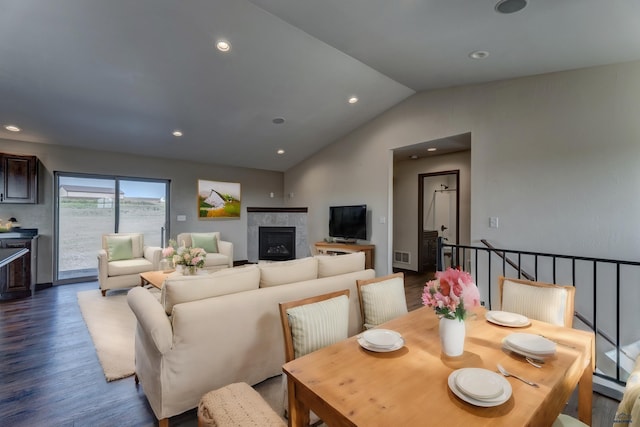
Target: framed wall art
(218, 199)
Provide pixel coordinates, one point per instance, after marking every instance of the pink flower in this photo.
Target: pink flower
(168, 252)
(452, 293)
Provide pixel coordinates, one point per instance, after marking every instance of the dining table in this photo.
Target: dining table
(345, 384)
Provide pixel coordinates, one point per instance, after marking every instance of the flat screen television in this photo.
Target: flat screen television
(348, 222)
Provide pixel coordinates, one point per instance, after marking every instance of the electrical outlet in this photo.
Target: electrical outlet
(493, 222)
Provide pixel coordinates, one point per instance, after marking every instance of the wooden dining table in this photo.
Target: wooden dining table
(346, 385)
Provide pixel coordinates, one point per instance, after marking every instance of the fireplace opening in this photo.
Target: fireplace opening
(276, 243)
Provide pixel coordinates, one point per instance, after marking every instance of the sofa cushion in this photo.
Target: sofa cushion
(319, 324)
(129, 266)
(332, 265)
(178, 289)
(119, 247)
(213, 260)
(206, 241)
(283, 272)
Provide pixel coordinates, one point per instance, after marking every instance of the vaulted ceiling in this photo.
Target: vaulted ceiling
(122, 75)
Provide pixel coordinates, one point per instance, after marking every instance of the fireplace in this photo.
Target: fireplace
(276, 243)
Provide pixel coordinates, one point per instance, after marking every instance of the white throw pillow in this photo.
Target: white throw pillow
(283, 272)
(319, 324)
(383, 301)
(178, 289)
(333, 265)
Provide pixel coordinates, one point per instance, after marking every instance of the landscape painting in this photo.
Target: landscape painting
(218, 199)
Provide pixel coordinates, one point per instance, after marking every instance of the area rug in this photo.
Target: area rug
(111, 324)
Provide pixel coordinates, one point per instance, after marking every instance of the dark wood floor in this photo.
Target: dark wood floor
(50, 374)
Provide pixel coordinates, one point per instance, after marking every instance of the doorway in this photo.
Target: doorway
(438, 215)
(88, 206)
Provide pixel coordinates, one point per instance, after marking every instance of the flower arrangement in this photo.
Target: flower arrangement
(452, 293)
(186, 256)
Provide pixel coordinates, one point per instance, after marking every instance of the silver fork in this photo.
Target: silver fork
(532, 362)
(506, 373)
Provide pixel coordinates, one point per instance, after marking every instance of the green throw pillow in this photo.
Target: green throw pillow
(120, 247)
(206, 241)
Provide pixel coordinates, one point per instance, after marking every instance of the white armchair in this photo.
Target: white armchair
(122, 258)
(219, 252)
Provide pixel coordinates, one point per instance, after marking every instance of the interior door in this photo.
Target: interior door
(438, 201)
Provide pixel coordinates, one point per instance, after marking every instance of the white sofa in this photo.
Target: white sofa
(123, 271)
(214, 260)
(217, 329)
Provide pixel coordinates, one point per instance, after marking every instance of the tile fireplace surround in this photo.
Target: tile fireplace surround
(277, 217)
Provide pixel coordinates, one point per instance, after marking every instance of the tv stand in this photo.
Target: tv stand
(347, 241)
(337, 248)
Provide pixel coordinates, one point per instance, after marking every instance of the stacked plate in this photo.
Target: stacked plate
(479, 387)
(505, 318)
(381, 340)
(529, 345)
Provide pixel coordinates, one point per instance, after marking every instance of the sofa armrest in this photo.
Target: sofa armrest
(153, 254)
(151, 318)
(103, 265)
(226, 248)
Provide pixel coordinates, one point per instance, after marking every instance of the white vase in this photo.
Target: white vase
(452, 333)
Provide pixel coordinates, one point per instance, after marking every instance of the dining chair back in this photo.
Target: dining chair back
(381, 299)
(547, 302)
(312, 323)
(309, 324)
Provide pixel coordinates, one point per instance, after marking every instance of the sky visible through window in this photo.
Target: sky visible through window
(130, 188)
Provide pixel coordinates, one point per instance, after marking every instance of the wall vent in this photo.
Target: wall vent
(402, 257)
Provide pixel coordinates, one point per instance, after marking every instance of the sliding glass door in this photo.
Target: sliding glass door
(88, 206)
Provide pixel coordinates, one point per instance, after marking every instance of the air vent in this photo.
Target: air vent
(402, 257)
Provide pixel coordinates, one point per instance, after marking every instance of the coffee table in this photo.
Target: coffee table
(154, 278)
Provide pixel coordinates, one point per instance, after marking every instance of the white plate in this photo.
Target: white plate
(499, 400)
(366, 345)
(382, 338)
(505, 318)
(506, 346)
(531, 343)
(479, 383)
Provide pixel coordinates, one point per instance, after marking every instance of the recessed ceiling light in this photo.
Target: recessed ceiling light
(478, 54)
(413, 156)
(177, 133)
(223, 46)
(510, 6)
(280, 151)
(431, 149)
(353, 100)
(278, 120)
(12, 128)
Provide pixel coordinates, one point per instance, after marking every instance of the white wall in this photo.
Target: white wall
(255, 188)
(554, 157)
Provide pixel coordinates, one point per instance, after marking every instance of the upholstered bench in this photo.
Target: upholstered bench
(236, 405)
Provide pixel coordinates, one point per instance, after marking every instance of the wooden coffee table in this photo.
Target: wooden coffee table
(154, 278)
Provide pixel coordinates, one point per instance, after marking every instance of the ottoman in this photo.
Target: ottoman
(236, 405)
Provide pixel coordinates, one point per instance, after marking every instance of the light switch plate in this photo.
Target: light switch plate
(181, 218)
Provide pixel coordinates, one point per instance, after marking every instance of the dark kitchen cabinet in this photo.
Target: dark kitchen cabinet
(18, 179)
(18, 279)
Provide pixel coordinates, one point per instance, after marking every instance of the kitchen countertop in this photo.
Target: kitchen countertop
(20, 233)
